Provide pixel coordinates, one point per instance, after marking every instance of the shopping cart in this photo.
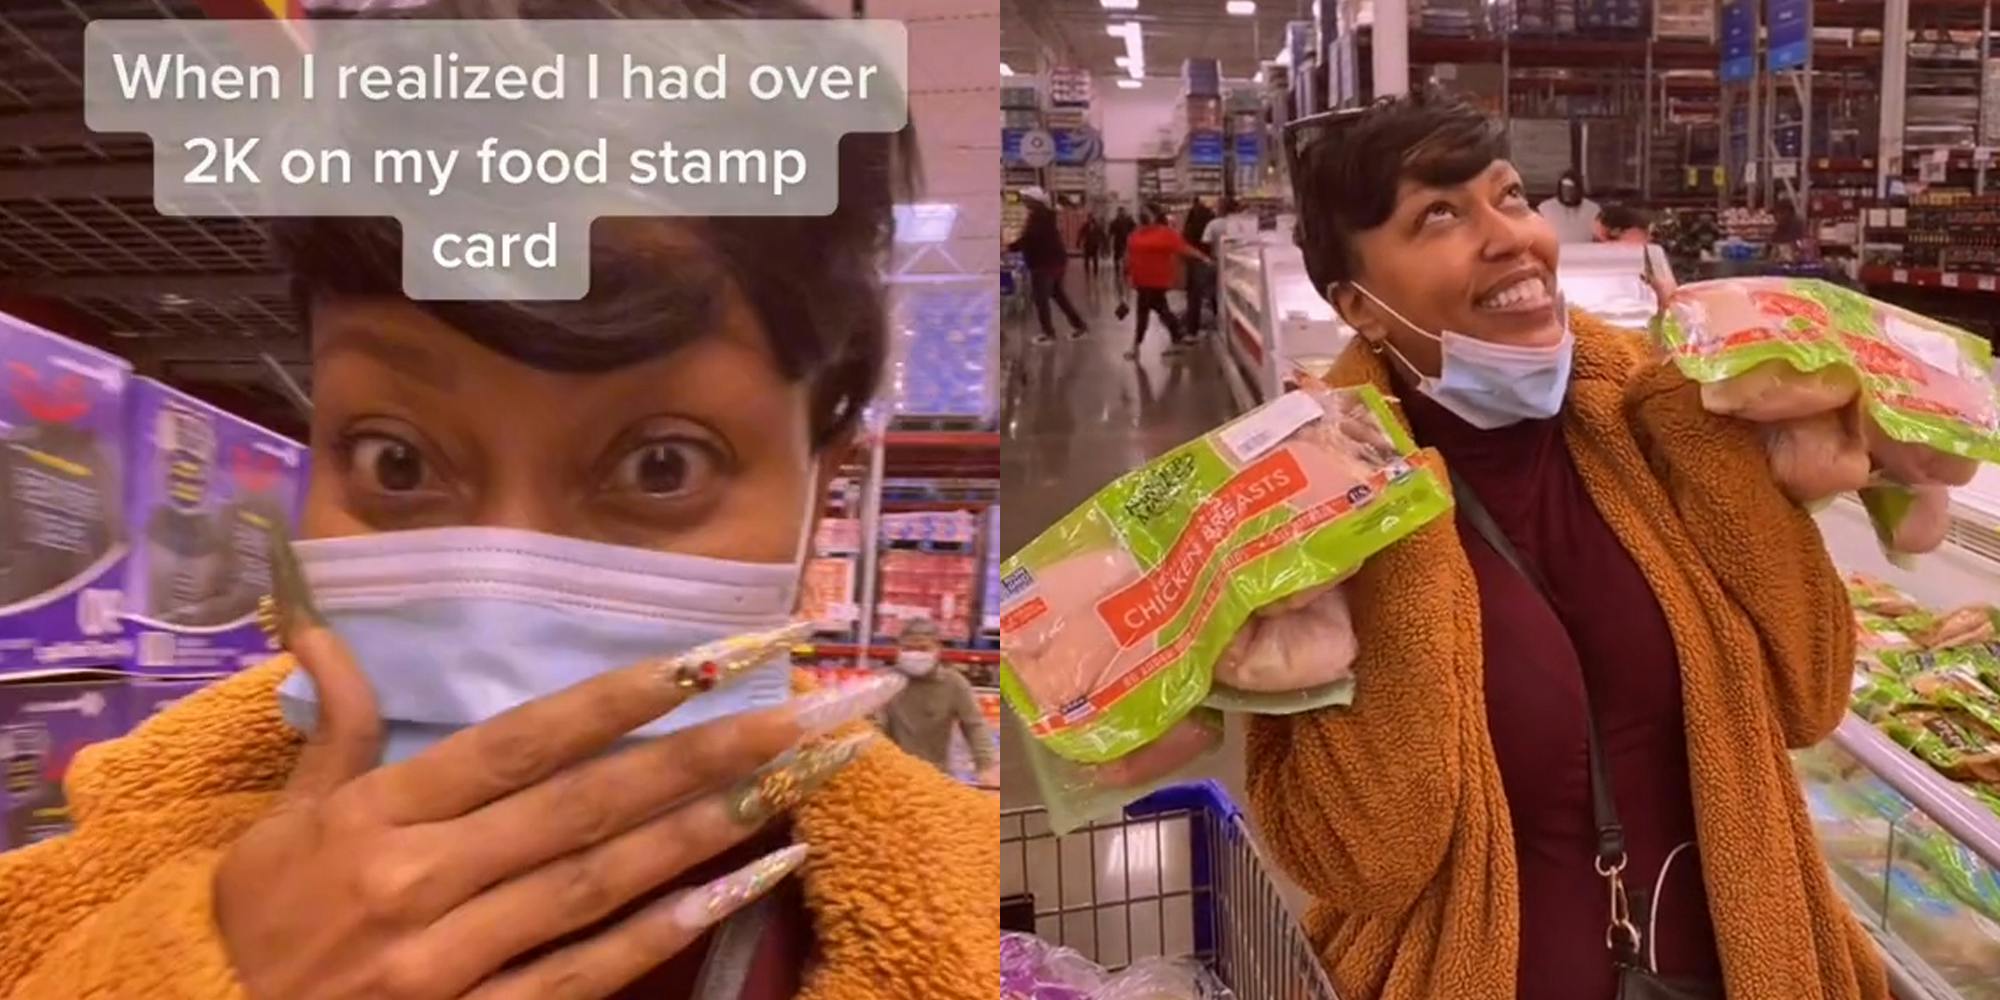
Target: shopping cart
(1179, 875)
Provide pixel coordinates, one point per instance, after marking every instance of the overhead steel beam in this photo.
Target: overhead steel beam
(150, 286)
(246, 352)
(53, 128)
(82, 180)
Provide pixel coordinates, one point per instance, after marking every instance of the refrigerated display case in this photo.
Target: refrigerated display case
(1916, 854)
(1274, 324)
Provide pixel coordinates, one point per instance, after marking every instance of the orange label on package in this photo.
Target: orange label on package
(1147, 605)
(1027, 612)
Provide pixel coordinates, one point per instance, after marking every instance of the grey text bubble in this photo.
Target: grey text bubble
(496, 143)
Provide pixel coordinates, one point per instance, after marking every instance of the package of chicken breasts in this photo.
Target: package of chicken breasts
(1856, 395)
(1204, 581)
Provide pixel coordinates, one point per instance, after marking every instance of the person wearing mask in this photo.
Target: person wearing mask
(1572, 216)
(1200, 277)
(1153, 265)
(1119, 231)
(1091, 241)
(536, 731)
(1041, 247)
(1581, 688)
(937, 703)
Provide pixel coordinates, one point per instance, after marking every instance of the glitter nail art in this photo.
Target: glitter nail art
(291, 600)
(830, 708)
(706, 667)
(788, 781)
(711, 903)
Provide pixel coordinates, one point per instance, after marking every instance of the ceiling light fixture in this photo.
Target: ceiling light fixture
(1006, 70)
(1119, 4)
(1129, 83)
(1135, 46)
(1241, 8)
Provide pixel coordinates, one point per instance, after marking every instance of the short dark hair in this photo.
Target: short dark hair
(1618, 218)
(814, 282)
(1344, 178)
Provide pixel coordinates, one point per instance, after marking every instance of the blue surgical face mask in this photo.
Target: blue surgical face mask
(454, 626)
(1491, 385)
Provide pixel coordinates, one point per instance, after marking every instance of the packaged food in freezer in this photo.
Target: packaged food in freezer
(1113, 620)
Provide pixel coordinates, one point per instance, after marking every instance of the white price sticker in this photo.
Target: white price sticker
(1900, 276)
(1985, 283)
(1933, 347)
(1260, 431)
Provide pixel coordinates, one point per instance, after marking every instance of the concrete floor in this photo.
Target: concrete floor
(1077, 415)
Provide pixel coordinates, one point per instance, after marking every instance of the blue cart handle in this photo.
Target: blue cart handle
(1199, 796)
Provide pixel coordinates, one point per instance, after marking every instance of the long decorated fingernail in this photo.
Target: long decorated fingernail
(827, 709)
(710, 904)
(789, 780)
(291, 598)
(706, 667)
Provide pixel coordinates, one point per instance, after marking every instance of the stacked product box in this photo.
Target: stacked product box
(62, 524)
(206, 490)
(43, 723)
(145, 697)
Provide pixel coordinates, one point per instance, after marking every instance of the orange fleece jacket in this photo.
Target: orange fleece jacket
(901, 883)
(1391, 813)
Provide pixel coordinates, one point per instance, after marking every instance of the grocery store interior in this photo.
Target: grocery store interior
(1847, 141)
(109, 307)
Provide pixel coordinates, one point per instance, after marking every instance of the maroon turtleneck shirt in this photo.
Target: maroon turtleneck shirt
(1608, 632)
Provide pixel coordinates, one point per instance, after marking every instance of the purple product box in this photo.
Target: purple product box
(205, 488)
(43, 723)
(145, 697)
(62, 496)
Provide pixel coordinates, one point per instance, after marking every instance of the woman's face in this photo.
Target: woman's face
(1474, 258)
(703, 451)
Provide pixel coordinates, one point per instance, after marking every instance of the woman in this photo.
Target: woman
(1624, 224)
(509, 501)
(1041, 247)
(1668, 597)
(1152, 263)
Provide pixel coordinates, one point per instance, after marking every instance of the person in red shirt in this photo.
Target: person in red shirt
(1150, 259)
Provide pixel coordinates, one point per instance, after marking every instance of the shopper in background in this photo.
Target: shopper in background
(1200, 277)
(1153, 266)
(1120, 232)
(1569, 213)
(1624, 224)
(1621, 560)
(937, 703)
(1041, 246)
(1787, 228)
(639, 467)
(1091, 240)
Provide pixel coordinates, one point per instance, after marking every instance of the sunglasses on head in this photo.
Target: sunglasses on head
(1301, 135)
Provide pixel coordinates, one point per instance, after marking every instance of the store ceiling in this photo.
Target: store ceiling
(1175, 30)
(196, 301)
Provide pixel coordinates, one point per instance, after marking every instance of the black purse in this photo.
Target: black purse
(1637, 980)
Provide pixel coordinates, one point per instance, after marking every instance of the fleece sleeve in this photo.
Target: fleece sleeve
(121, 908)
(1764, 550)
(1359, 804)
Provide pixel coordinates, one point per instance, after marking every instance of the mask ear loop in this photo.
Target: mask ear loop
(809, 519)
(1377, 347)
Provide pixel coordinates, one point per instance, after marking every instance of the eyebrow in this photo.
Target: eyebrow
(412, 360)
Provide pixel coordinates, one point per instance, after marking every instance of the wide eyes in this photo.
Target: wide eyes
(383, 463)
(665, 469)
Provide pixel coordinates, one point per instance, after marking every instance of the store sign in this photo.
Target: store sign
(1037, 148)
(1205, 149)
(1248, 149)
(1790, 27)
(1075, 147)
(1739, 41)
(1010, 145)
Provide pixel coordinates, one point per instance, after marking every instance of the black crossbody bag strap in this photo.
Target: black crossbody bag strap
(1622, 935)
